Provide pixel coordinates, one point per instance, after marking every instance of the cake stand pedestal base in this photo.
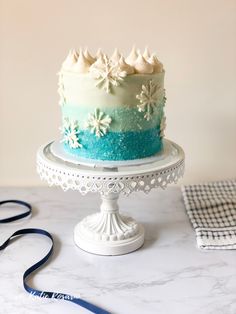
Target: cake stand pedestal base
(109, 232)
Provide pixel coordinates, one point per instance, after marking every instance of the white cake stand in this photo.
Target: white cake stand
(108, 232)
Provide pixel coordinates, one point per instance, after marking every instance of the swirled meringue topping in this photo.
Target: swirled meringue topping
(131, 59)
(99, 53)
(142, 66)
(125, 67)
(116, 56)
(146, 54)
(71, 59)
(88, 56)
(82, 65)
(136, 63)
(157, 65)
(97, 65)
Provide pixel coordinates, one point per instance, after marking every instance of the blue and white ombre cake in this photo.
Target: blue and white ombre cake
(112, 108)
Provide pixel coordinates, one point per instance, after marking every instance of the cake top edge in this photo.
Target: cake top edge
(82, 62)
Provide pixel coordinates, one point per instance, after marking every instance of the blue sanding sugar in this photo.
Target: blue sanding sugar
(118, 145)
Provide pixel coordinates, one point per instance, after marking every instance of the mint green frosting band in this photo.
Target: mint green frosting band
(123, 119)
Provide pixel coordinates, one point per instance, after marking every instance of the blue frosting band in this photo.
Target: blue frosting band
(118, 145)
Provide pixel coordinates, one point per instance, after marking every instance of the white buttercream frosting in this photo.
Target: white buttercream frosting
(157, 65)
(82, 65)
(142, 66)
(131, 59)
(125, 66)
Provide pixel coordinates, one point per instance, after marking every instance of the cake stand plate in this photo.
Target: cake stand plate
(57, 150)
(108, 232)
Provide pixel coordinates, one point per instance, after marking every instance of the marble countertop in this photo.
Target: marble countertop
(167, 275)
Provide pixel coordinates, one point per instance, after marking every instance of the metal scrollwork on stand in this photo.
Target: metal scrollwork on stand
(108, 232)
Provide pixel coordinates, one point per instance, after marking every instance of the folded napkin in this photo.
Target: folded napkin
(211, 208)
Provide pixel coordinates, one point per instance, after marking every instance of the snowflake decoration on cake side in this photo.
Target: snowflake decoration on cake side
(98, 122)
(61, 90)
(70, 133)
(107, 74)
(164, 97)
(149, 99)
(162, 127)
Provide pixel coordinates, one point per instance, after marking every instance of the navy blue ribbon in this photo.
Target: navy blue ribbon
(44, 294)
(19, 216)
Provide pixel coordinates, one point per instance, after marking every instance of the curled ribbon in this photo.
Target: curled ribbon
(46, 294)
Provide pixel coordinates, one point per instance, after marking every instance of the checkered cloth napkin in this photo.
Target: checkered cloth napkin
(211, 208)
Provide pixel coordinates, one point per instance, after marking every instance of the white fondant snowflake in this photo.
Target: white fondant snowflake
(98, 122)
(162, 127)
(107, 73)
(149, 99)
(70, 133)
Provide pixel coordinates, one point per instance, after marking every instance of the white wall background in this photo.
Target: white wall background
(196, 41)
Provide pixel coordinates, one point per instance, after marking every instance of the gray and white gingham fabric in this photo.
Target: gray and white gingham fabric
(211, 208)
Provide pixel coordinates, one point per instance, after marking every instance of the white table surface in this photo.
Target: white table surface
(167, 275)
